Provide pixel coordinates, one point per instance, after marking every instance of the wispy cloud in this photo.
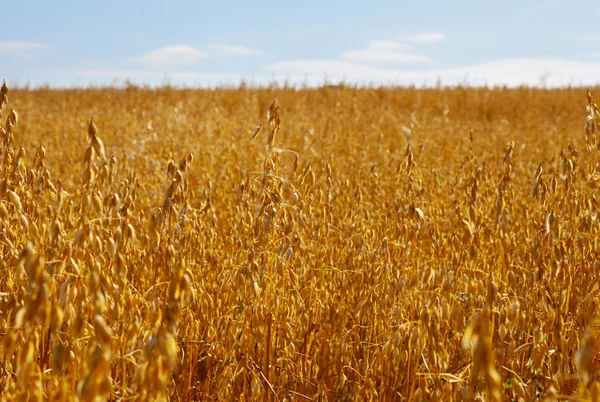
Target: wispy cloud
(20, 47)
(179, 54)
(185, 54)
(384, 52)
(424, 37)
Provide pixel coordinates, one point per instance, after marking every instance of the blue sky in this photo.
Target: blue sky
(197, 43)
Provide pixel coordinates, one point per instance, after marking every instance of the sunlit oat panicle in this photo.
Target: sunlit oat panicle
(3, 95)
(256, 131)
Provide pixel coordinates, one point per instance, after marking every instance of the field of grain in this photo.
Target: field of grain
(318, 244)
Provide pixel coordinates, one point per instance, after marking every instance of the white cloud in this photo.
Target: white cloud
(66, 78)
(124, 74)
(384, 51)
(591, 37)
(592, 55)
(509, 72)
(184, 54)
(532, 72)
(387, 45)
(180, 54)
(218, 49)
(424, 37)
(379, 56)
(19, 47)
(336, 70)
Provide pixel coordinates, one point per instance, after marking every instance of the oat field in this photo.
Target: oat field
(278, 244)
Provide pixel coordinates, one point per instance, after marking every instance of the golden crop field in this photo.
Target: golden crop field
(286, 245)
